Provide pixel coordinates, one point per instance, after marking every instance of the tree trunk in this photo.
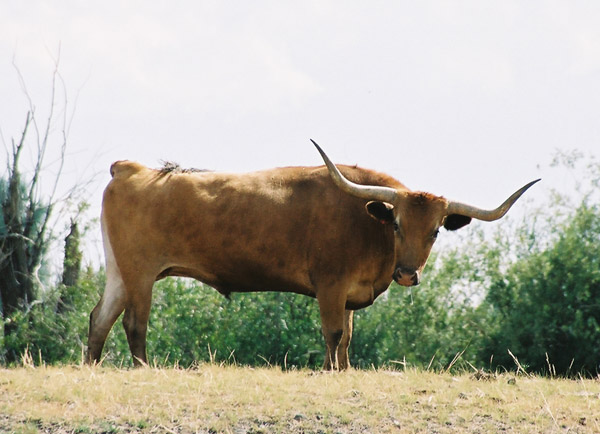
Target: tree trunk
(72, 261)
(71, 268)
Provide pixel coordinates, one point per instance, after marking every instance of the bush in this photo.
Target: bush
(545, 308)
(47, 334)
(191, 322)
(425, 326)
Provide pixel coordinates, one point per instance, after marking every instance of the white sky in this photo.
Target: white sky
(466, 99)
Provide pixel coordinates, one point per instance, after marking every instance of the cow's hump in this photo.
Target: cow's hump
(125, 168)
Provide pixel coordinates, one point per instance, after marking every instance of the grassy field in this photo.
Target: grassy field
(233, 399)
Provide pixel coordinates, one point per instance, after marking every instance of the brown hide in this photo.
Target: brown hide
(288, 229)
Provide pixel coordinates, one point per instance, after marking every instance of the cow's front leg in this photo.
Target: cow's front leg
(342, 351)
(332, 310)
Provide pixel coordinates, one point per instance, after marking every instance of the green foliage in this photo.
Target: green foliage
(23, 243)
(190, 322)
(422, 326)
(545, 307)
(47, 334)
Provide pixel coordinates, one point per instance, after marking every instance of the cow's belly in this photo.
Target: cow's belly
(227, 281)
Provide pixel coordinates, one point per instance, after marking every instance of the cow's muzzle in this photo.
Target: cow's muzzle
(407, 276)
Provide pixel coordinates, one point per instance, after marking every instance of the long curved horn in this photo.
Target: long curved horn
(488, 215)
(372, 192)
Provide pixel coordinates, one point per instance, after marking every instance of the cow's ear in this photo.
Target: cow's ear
(456, 221)
(381, 211)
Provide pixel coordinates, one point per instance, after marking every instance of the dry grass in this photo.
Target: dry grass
(235, 399)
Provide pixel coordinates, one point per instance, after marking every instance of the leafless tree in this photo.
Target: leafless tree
(27, 212)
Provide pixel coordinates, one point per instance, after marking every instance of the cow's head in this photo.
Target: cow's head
(416, 218)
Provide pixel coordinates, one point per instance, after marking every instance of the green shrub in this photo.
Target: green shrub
(544, 307)
(191, 322)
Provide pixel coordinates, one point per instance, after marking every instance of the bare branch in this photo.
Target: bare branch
(12, 205)
(5, 256)
(42, 146)
(23, 85)
(63, 149)
(16, 149)
(18, 236)
(5, 150)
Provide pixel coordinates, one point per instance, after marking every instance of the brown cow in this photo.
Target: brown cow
(289, 229)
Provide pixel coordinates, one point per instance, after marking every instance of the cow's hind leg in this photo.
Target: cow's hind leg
(106, 312)
(342, 351)
(332, 312)
(135, 322)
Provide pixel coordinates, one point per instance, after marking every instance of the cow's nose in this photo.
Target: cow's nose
(407, 276)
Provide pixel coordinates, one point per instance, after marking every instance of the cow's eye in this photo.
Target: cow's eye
(396, 227)
(435, 234)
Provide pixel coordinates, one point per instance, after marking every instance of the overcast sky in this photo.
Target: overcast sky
(466, 99)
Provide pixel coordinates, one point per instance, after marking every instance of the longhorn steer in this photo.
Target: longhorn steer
(289, 229)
